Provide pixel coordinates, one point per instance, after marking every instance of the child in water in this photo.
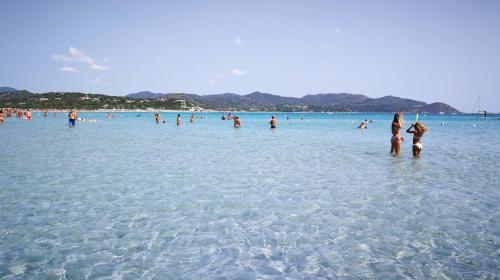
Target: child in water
(418, 131)
(396, 138)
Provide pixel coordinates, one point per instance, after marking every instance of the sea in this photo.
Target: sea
(315, 198)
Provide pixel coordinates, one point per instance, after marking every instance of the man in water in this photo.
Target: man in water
(157, 118)
(192, 118)
(273, 122)
(72, 117)
(178, 119)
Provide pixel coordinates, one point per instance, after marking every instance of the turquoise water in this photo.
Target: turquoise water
(316, 198)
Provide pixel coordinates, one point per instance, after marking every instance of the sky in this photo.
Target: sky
(447, 51)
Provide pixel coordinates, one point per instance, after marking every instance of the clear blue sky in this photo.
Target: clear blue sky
(426, 50)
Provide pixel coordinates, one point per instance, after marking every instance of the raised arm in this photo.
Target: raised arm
(409, 129)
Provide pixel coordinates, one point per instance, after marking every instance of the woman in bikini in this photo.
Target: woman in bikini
(396, 138)
(418, 131)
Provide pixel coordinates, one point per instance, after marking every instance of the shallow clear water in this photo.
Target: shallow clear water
(315, 198)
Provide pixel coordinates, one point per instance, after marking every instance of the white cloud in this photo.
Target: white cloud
(98, 67)
(211, 82)
(238, 42)
(238, 72)
(76, 55)
(337, 30)
(69, 69)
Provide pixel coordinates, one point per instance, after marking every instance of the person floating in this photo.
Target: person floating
(237, 122)
(273, 122)
(72, 117)
(396, 138)
(178, 119)
(418, 131)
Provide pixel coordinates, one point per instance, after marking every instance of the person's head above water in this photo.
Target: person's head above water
(178, 115)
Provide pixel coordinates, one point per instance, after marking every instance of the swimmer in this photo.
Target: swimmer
(109, 116)
(191, 120)
(72, 117)
(178, 119)
(45, 114)
(442, 123)
(287, 118)
(362, 125)
(273, 122)
(223, 117)
(418, 131)
(1, 116)
(237, 122)
(157, 118)
(396, 138)
(229, 117)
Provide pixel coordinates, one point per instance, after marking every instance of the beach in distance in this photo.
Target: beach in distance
(124, 197)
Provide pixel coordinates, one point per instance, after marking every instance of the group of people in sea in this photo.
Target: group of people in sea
(19, 113)
(418, 130)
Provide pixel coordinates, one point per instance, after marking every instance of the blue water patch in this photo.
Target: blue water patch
(126, 198)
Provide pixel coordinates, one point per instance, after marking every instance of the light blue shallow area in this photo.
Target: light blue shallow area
(126, 198)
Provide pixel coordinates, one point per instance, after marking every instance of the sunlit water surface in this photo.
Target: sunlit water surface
(125, 198)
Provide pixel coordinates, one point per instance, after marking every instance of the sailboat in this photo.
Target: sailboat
(440, 111)
(478, 108)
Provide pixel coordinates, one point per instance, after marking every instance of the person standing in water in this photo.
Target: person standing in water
(191, 120)
(72, 117)
(418, 131)
(29, 116)
(1, 116)
(157, 118)
(273, 122)
(396, 139)
(237, 122)
(178, 119)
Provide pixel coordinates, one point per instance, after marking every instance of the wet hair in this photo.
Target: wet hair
(178, 115)
(420, 128)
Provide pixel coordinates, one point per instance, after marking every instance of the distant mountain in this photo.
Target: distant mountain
(255, 101)
(145, 95)
(7, 89)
